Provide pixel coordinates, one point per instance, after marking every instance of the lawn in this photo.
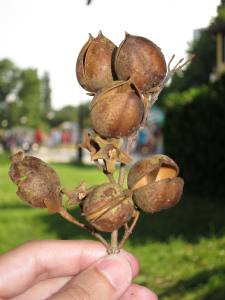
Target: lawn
(181, 251)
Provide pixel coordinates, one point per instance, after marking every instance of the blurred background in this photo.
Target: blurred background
(44, 112)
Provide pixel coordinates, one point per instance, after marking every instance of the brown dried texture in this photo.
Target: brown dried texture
(149, 166)
(155, 183)
(107, 150)
(94, 63)
(117, 111)
(110, 155)
(141, 60)
(38, 184)
(159, 195)
(108, 207)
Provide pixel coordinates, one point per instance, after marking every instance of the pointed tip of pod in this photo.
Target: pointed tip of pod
(100, 34)
(126, 34)
(17, 157)
(90, 36)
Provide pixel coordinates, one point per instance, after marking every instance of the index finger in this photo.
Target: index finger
(25, 265)
(35, 261)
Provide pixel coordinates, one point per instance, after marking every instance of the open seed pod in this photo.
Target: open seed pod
(155, 183)
(108, 207)
(38, 184)
(117, 111)
(94, 63)
(141, 60)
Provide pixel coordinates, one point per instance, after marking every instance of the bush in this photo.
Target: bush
(194, 137)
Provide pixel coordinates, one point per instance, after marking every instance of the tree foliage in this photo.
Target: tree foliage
(25, 98)
(204, 47)
(195, 110)
(45, 100)
(194, 136)
(198, 72)
(9, 79)
(71, 113)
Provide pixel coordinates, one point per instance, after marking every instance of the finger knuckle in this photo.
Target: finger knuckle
(78, 293)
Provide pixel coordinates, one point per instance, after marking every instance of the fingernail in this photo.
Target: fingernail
(132, 261)
(116, 269)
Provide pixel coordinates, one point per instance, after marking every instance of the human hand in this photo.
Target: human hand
(69, 270)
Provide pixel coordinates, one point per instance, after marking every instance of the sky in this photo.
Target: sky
(48, 34)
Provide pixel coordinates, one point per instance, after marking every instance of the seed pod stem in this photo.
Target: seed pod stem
(122, 174)
(129, 230)
(114, 235)
(147, 102)
(169, 74)
(114, 243)
(67, 216)
(108, 175)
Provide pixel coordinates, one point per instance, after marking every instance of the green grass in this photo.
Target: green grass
(181, 250)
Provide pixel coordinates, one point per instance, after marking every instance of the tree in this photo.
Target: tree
(30, 95)
(25, 99)
(198, 72)
(45, 101)
(10, 83)
(9, 79)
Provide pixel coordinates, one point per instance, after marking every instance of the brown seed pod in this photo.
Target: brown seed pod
(94, 67)
(38, 184)
(155, 183)
(117, 111)
(108, 207)
(141, 60)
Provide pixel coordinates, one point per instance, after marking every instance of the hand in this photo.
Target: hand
(69, 270)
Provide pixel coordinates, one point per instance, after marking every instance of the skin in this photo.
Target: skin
(69, 270)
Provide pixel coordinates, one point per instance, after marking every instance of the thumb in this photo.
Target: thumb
(107, 279)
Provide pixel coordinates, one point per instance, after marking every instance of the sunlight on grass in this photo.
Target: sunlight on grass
(181, 251)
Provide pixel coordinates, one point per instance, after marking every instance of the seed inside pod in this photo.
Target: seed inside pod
(117, 111)
(94, 67)
(155, 183)
(108, 207)
(141, 60)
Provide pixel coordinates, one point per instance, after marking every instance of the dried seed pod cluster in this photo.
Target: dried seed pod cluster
(117, 109)
(124, 83)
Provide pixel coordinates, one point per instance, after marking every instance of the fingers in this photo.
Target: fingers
(43, 289)
(136, 291)
(47, 288)
(36, 261)
(108, 279)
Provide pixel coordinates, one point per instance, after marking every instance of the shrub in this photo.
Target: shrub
(194, 136)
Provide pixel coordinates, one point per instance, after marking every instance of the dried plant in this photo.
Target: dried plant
(125, 82)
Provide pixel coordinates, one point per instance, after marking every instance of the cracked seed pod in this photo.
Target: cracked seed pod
(37, 183)
(94, 64)
(108, 207)
(117, 111)
(141, 60)
(155, 183)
